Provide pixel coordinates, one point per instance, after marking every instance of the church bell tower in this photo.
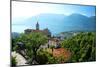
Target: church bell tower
(37, 26)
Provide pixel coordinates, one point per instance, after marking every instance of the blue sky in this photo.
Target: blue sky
(24, 10)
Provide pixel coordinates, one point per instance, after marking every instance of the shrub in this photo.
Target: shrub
(13, 61)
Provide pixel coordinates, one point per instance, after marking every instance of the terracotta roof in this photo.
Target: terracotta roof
(37, 30)
(54, 39)
(61, 52)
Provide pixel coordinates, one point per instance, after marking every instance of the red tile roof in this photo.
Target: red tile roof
(61, 52)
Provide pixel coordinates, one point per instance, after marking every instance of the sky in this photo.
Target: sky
(24, 10)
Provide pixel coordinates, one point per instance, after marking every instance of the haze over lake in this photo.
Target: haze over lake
(56, 17)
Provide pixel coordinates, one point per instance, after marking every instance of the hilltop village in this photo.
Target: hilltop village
(52, 46)
(55, 41)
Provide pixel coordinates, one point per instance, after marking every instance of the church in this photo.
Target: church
(45, 31)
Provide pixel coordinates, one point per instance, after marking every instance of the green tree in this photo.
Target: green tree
(32, 42)
(82, 46)
(13, 44)
(52, 47)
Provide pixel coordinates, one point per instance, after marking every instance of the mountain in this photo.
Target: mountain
(78, 22)
(61, 23)
(15, 34)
